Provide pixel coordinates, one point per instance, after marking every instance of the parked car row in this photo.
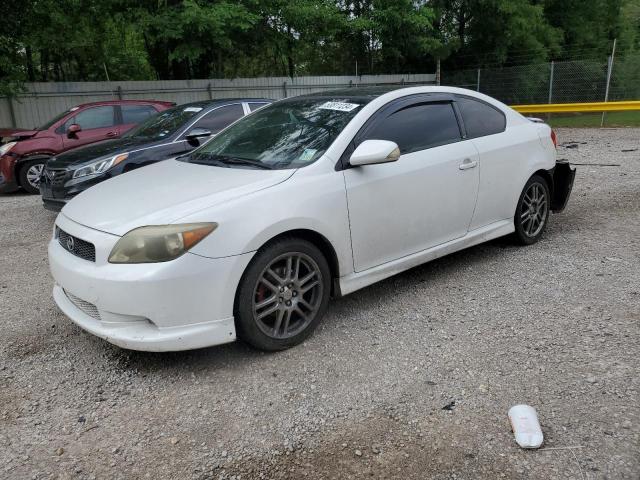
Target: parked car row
(23, 153)
(173, 132)
(95, 141)
(251, 233)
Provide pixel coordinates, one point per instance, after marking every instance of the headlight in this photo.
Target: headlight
(6, 147)
(159, 243)
(100, 166)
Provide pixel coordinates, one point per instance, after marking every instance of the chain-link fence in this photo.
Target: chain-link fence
(555, 82)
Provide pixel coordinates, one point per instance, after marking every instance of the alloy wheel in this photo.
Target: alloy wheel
(287, 295)
(33, 174)
(534, 210)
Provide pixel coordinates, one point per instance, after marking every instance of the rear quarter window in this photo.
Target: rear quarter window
(480, 119)
(136, 113)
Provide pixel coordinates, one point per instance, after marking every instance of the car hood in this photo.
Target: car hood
(163, 193)
(95, 151)
(13, 133)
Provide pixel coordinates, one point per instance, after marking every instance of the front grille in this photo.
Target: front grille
(77, 246)
(88, 308)
(56, 178)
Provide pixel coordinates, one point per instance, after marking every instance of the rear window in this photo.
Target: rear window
(480, 119)
(220, 118)
(255, 106)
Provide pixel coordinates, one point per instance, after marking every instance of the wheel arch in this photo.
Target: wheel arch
(322, 243)
(23, 162)
(548, 177)
(27, 158)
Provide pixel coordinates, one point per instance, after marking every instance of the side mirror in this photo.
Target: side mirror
(197, 133)
(371, 152)
(73, 129)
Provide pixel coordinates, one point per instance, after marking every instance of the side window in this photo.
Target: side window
(136, 113)
(255, 106)
(479, 118)
(418, 127)
(94, 117)
(220, 118)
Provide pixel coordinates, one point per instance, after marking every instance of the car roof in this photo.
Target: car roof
(124, 102)
(367, 94)
(207, 104)
(355, 94)
(203, 103)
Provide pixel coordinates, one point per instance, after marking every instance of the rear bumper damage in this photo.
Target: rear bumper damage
(563, 175)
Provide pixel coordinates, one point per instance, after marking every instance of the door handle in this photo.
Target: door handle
(467, 163)
(112, 134)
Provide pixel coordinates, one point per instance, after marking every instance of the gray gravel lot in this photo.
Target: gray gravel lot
(555, 325)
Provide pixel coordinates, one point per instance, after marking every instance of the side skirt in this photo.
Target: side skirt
(355, 281)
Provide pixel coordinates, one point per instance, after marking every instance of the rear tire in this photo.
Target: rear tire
(29, 175)
(283, 295)
(532, 212)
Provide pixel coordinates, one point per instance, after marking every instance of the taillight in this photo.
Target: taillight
(554, 139)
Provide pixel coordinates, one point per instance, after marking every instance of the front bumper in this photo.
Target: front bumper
(53, 205)
(178, 305)
(57, 186)
(8, 182)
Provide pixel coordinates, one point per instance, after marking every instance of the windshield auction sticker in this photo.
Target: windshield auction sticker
(192, 109)
(339, 106)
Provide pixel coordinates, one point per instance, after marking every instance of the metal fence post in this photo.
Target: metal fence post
(284, 89)
(551, 71)
(209, 91)
(12, 112)
(478, 82)
(609, 71)
(119, 91)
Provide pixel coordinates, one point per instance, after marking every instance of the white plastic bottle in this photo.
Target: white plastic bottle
(525, 426)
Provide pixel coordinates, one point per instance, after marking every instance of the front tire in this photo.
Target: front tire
(532, 212)
(29, 176)
(283, 295)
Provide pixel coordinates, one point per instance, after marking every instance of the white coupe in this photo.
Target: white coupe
(307, 198)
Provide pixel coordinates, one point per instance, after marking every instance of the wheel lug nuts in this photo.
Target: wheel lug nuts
(288, 303)
(280, 299)
(295, 294)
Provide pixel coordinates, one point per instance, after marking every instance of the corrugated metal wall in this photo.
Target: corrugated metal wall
(42, 101)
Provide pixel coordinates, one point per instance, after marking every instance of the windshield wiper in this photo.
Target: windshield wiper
(244, 161)
(208, 158)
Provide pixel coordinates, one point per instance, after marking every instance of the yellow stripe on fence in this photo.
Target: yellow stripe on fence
(579, 107)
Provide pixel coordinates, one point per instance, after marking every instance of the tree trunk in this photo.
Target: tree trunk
(31, 74)
(44, 65)
(291, 67)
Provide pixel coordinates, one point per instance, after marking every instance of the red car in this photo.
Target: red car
(23, 153)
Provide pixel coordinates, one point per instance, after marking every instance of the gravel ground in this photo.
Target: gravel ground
(555, 325)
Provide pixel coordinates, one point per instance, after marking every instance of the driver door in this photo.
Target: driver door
(426, 197)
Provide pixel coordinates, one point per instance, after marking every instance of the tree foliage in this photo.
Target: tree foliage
(84, 40)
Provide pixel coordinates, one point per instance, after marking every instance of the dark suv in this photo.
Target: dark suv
(169, 134)
(23, 153)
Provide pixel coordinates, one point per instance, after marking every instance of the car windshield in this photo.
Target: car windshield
(287, 134)
(165, 123)
(54, 120)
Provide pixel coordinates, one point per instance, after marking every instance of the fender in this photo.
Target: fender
(32, 156)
